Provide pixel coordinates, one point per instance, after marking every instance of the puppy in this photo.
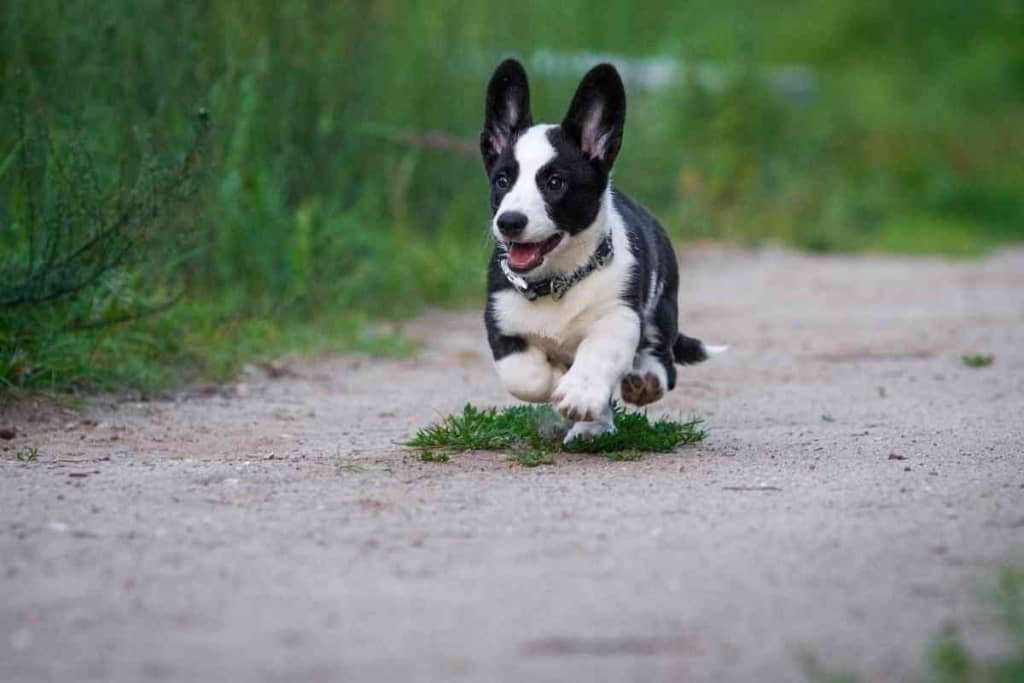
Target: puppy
(581, 288)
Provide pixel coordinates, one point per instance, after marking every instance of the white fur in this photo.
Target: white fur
(654, 291)
(603, 356)
(645, 362)
(595, 428)
(528, 375)
(590, 329)
(558, 327)
(532, 151)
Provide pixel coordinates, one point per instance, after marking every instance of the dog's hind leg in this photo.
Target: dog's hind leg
(648, 380)
(654, 370)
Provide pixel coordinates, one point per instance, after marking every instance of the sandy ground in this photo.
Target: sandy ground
(858, 489)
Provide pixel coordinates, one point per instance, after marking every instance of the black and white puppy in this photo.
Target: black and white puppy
(581, 290)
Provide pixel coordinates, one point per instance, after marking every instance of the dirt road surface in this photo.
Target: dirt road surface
(859, 488)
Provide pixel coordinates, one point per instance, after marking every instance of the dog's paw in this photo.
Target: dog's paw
(641, 389)
(595, 428)
(581, 400)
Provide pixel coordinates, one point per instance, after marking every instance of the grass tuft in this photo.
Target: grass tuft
(431, 456)
(535, 433)
(977, 360)
(30, 454)
(534, 458)
(634, 432)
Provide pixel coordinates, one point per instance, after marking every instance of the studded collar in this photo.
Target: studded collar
(558, 285)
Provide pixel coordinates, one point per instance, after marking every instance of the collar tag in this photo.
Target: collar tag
(513, 279)
(559, 286)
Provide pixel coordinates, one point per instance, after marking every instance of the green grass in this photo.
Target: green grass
(534, 434)
(950, 660)
(29, 454)
(533, 458)
(188, 343)
(431, 456)
(325, 203)
(977, 360)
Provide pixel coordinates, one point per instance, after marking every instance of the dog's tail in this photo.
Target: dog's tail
(689, 351)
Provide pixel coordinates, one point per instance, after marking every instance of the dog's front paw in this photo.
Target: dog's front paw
(581, 400)
(592, 429)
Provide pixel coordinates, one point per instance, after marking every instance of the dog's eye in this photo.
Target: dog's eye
(501, 182)
(556, 183)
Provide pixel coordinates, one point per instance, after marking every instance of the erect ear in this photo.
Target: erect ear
(597, 115)
(507, 110)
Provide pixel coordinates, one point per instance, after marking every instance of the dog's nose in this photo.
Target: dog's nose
(511, 223)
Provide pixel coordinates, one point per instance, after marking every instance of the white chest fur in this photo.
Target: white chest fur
(558, 327)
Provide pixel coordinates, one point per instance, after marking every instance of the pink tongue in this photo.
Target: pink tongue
(521, 255)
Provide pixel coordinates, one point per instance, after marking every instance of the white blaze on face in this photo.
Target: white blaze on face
(532, 151)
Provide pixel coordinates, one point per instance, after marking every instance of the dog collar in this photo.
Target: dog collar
(558, 285)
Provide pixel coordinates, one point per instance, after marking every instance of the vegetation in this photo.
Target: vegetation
(977, 360)
(431, 456)
(187, 185)
(948, 660)
(28, 454)
(534, 433)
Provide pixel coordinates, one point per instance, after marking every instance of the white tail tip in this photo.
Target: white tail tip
(713, 350)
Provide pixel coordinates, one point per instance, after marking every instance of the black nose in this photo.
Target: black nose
(511, 223)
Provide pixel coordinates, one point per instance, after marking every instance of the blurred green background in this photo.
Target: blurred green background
(187, 186)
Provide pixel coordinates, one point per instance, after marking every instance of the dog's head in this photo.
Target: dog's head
(548, 182)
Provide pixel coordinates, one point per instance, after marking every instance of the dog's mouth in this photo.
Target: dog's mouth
(525, 256)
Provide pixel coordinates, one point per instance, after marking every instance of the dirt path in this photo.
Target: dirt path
(858, 486)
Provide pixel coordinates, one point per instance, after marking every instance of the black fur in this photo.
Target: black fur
(507, 111)
(655, 263)
(689, 351)
(501, 344)
(597, 115)
(575, 208)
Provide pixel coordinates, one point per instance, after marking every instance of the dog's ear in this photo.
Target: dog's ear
(597, 115)
(507, 110)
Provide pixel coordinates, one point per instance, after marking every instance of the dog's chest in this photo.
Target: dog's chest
(558, 327)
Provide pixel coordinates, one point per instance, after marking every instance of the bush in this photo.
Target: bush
(343, 184)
